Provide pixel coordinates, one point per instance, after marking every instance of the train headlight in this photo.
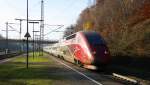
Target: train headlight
(94, 52)
(106, 52)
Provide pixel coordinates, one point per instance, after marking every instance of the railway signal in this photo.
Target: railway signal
(27, 35)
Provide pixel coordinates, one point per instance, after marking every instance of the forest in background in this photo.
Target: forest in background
(124, 24)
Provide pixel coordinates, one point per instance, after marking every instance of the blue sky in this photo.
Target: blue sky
(61, 12)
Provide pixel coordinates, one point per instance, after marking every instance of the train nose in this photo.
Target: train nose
(102, 58)
(101, 54)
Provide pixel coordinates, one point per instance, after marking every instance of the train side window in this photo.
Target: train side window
(79, 40)
(71, 36)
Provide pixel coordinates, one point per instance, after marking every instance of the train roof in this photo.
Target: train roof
(88, 32)
(82, 32)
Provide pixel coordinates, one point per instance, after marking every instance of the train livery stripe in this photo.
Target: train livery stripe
(80, 73)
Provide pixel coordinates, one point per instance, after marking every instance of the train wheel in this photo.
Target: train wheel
(58, 56)
(62, 57)
(80, 64)
(77, 62)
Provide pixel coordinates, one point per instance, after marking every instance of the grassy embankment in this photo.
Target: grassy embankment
(15, 72)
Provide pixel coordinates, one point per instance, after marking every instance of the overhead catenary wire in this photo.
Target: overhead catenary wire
(69, 5)
(14, 29)
(53, 30)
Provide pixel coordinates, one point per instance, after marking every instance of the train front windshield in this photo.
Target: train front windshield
(94, 39)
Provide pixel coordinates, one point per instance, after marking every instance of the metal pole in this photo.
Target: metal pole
(20, 36)
(27, 38)
(42, 24)
(20, 32)
(37, 43)
(6, 37)
(33, 36)
(33, 40)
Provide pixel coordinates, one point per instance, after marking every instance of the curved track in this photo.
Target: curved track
(90, 77)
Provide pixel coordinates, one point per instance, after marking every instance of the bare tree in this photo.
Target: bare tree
(69, 30)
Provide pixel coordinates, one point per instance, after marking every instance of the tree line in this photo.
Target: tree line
(124, 24)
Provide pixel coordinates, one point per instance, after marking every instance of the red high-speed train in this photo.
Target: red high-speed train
(83, 48)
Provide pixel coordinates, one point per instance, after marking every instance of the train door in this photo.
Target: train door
(67, 54)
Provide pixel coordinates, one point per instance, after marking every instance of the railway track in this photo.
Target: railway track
(119, 77)
(114, 75)
(3, 55)
(125, 80)
(106, 75)
(135, 77)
